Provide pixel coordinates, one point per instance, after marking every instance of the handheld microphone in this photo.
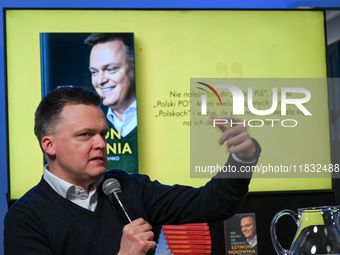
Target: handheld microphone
(111, 188)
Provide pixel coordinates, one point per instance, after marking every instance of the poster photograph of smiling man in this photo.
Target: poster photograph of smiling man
(103, 62)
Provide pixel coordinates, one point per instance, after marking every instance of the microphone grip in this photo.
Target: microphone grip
(119, 201)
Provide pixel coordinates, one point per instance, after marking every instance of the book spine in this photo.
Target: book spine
(186, 232)
(189, 251)
(190, 246)
(185, 227)
(188, 242)
(187, 237)
(193, 238)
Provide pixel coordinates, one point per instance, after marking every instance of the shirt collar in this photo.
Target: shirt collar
(253, 242)
(130, 119)
(64, 188)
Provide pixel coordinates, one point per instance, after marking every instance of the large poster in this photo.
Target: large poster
(171, 47)
(103, 62)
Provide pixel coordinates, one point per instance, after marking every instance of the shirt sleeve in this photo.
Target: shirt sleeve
(218, 200)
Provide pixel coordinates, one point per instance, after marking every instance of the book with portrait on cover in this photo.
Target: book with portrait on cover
(240, 234)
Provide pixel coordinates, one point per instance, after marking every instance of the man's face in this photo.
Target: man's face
(112, 76)
(248, 227)
(79, 144)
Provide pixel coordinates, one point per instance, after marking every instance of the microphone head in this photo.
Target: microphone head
(110, 185)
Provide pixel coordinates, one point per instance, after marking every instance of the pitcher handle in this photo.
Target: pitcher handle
(337, 222)
(277, 246)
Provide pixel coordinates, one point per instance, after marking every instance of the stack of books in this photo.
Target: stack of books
(184, 239)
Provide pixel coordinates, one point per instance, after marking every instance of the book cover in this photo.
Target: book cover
(103, 62)
(240, 234)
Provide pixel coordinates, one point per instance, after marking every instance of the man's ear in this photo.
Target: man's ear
(47, 145)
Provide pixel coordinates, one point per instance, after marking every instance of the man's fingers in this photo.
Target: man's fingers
(137, 222)
(225, 122)
(138, 225)
(221, 122)
(151, 245)
(137, 238)
(235, 134)
(232, 132)
(240, 147)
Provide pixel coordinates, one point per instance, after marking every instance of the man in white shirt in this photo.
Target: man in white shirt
(248, 229)
(113, 77)
(66, 213)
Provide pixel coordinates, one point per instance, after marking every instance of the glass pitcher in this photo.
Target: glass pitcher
(317, 231)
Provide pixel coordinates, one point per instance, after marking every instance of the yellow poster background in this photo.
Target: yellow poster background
(170, 48)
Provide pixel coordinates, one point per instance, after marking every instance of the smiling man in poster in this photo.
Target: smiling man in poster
(113, 77)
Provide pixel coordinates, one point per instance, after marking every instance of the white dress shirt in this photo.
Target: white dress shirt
(253, 242)
(130, 119)
(71, 192)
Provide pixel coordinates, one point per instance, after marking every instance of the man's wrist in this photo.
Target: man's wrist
(239, 158)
